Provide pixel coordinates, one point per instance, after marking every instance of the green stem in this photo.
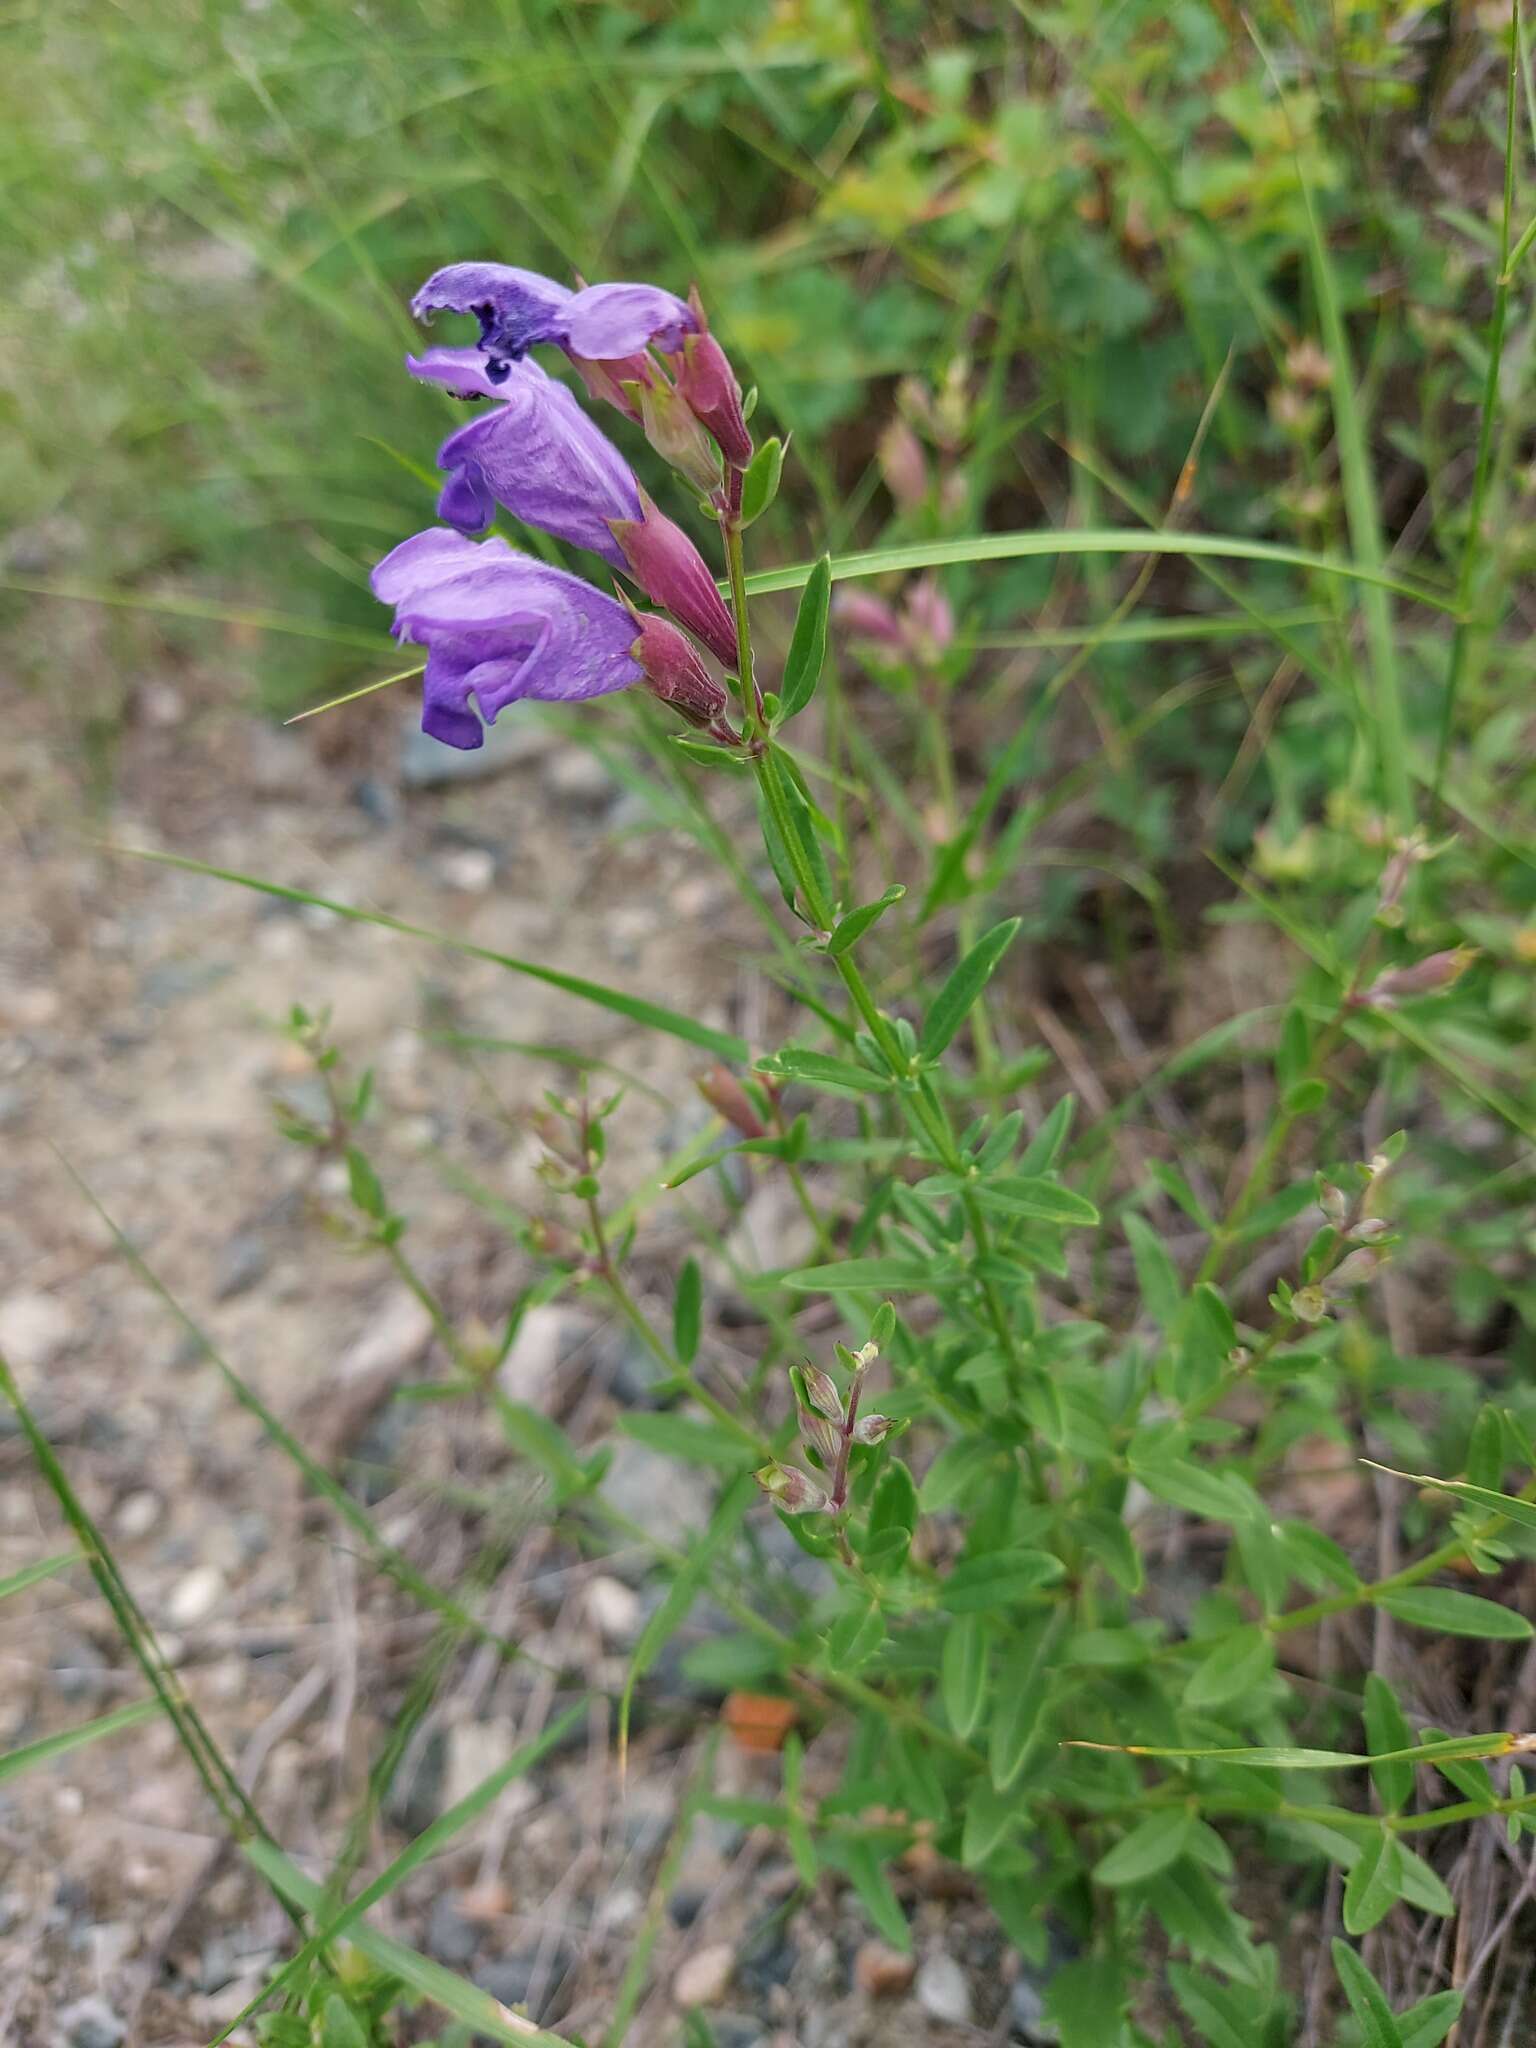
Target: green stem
(1461, 637)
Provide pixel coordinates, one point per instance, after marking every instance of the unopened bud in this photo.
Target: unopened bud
(675, 431)
(556, 1136)
(669, 568)
(1370, 1230)
(903, 465)
(726, 1096)
(1333, 1202)
(865, 1356)
(1355, 1271)
(708, 385)
(821, 1391)
(1307, 363)
(930, 619)
(822, 1435)
(873, 1429)
(674, 672)
(554, 1241)
(1426, 977)
(790, 1489)
(864, 617)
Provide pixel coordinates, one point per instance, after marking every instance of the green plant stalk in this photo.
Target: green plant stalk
(230, 1799)
(1462, 635)
(630, 1310)
(1443, 1554)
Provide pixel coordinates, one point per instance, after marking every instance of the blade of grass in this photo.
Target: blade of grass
(228, 1795)
(1011, 547)
(465, 2001)
(1472, 550)
(652, 1015)
(43, 1751)
(34, 1574)
(430, 1842)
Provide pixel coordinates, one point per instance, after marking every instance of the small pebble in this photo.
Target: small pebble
(137, 1515)
(704, 1978)
(613, 1608)
(470, 869)
(195, 1596)
(34, 1328)
(882, 1972)
(942, 1991)
(91, 2023)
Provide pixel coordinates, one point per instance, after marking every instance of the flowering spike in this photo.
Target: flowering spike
(790, 1489)
(930, 620)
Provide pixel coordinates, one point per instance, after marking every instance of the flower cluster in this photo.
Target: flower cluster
(830, 1427)
(499, 625)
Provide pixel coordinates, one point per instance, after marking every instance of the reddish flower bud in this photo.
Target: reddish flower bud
(869, 618)
(708, 384)
(677, 434)
(669, 568)
(824, 1436)
(930, 619)
(674, 672)
(873, 1429)
(1355, 1271)
(726, 1096)
(1425, 977)
(1370, 1230)
(903, 465)
(790, 1490)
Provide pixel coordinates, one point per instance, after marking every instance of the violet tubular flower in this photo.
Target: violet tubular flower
(535, 451)
(499, 626)
(518, 309)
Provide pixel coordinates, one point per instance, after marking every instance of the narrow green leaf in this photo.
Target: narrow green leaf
(760, 480)
(1426, 2024)
(687, 1312)
(1387, 1728)
(890, 1276)
(1239, 1665)
(862, 1861)
(1225, 2017)
(1044, 1200)
(1507, 1504)
(1040, 1153)
(1086, 2002)
(453, 1994)
(1006, 547)
(953, 1002)
(1150, 1847)
(363, 1185)
(47, 1747)
(1456, 1614)
(1374, 1885)
(988, 1585)
(1378, 2029)
(821, 1070)
(963, 1666)
(34, 1574)
(850, 929)
(988, 1820)
(808, 646)
(1157, 1278)
(1023, 1684)
(638, 1011)
(854, 1638)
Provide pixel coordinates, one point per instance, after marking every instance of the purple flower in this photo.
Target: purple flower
(535, 451)
(498, 626)
(518, 309)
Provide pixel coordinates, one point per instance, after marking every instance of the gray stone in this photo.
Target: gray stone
(35, 1327)
(243, 1261)
(942, 1991)
(91, 2023)
(1026, 2010)
(514, 740)
(450, 1937)
(668, 1499)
